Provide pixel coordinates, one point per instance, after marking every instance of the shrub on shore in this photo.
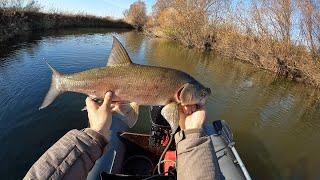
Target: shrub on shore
(282, 36)
(136, 14)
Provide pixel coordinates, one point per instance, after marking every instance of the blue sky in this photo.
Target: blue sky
(112, 8)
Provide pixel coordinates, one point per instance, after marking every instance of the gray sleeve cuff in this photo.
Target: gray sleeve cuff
(100, 139)
(188, 134)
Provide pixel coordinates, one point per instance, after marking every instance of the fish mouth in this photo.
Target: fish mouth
(208, 91)
(204, 99)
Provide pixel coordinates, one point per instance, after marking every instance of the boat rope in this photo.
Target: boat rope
(155, 168)
(151, 177)
(164, 152)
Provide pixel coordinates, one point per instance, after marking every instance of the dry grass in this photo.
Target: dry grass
(282, 36)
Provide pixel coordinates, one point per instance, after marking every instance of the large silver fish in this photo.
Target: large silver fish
(130, 83)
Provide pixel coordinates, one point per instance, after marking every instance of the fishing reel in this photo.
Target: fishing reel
(160, 128)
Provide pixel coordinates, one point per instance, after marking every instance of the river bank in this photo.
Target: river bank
(262, 33)
(299, 66)
(13, 22)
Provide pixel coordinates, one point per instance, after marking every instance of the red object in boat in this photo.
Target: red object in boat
(169, 161)
(165, 140)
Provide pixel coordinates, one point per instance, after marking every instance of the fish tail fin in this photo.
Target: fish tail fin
(54, 90)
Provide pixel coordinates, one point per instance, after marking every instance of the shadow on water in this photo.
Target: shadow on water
(276, 122)
(260, 161)
(24, 143)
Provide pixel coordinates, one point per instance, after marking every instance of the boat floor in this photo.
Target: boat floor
(140, 158)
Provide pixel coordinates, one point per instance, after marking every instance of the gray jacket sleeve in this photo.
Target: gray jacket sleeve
(72, 157)
(196, 158)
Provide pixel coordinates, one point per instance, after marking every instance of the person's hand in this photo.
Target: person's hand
(100, 117)
(191, 117)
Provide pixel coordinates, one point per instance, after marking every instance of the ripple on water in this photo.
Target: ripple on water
(276, 109)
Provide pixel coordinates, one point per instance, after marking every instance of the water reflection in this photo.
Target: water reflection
(133, 41)
(276, 123)
(268, 114)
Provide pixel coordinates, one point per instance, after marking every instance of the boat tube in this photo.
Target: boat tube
(130, 155)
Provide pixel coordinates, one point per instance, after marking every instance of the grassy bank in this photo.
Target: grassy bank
(14, 22)
(280, 36)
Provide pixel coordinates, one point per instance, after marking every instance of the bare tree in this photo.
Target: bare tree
(190, 21)
(3, 3)
(32, 5)
(277, 27)
(161, 5)
(273, 18)
(309, 24)
(21, 5)
(136, 14)
(16, 4)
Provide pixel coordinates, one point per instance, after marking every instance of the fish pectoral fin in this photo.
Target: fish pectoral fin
(118, 55)
(128, 113)
(171, 113)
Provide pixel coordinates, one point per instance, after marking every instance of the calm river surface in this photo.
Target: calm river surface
(276, 123)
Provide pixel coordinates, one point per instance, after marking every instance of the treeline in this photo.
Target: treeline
(21, 16)
(20, 5)
(282, 36)
(290, 22)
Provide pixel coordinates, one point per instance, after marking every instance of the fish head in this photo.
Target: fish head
(193, 93)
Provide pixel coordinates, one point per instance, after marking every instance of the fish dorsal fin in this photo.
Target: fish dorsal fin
(118, 55)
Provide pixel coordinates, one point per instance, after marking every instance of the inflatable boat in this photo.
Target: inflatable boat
(130, 155)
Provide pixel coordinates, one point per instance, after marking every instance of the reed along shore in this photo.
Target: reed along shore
(13, 23)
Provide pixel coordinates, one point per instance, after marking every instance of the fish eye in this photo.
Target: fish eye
(203, 93)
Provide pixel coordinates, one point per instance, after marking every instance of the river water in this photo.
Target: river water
(275, 122)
